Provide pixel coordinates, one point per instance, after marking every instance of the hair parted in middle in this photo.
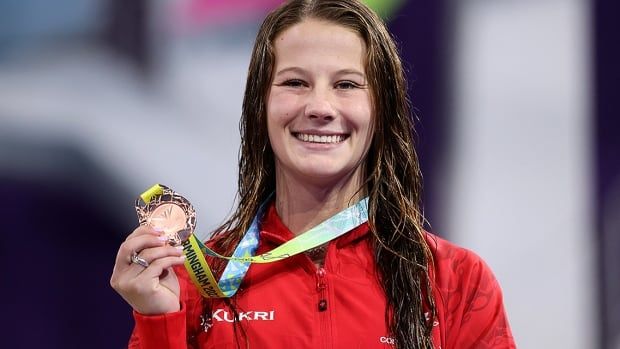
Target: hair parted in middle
(393, 181)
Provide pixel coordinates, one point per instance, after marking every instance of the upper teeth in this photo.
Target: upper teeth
(319, 139)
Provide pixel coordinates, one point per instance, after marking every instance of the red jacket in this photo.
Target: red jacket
(280, 304)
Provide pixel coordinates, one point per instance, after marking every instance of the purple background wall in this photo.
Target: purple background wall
(607, 138)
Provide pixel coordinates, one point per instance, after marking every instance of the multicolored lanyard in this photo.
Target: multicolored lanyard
(243, 256)
(162, 207)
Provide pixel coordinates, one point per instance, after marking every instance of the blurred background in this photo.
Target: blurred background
(517, 104)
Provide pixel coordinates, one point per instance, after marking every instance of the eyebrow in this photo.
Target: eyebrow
(339, 72)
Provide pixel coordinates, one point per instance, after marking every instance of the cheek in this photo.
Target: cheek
(280, 109)
(366, 127)
(274, 133)
(364, 118)
(277, 120)
(362, 111)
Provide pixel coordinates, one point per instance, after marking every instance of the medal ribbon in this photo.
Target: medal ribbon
(243, 256)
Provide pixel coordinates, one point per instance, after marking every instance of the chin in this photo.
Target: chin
(327, 174)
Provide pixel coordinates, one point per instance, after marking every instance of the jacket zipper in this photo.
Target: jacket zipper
(322, 305)
(321, 286)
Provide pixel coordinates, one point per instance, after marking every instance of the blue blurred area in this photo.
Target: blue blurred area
(31, 23)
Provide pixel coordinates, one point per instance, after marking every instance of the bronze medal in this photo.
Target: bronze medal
(169, 213)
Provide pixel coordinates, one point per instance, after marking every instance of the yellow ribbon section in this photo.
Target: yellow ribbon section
(151, 192)
(199, 270)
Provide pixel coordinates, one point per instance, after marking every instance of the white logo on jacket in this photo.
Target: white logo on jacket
(386, 340)
(224, 315)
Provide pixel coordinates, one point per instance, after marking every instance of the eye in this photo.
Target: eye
(294, 83)
(346, 85)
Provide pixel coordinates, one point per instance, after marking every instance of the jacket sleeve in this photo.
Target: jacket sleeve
(174, 330)
(477, 315)
(166, 331)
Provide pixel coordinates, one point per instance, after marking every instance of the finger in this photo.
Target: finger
(154, 253)
(158, 266)
(137, 244)
(143, 230)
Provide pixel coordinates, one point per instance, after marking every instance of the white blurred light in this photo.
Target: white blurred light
(520, 176)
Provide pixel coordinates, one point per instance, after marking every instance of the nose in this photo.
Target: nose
(319, 106)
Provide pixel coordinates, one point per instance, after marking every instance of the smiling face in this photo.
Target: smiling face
(319, 109)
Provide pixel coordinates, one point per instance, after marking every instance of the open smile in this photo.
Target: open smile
(322, 138)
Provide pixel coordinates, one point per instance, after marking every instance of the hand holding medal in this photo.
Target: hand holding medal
(143, 273)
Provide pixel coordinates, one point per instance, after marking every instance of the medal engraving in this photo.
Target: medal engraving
(169, 213)
(168, 218)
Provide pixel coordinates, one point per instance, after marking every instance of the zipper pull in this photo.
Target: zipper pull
(322, 305)
(321, 286)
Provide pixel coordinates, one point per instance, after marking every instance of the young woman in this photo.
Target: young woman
(325, 123)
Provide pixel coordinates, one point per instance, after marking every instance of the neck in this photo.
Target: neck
(302, 205)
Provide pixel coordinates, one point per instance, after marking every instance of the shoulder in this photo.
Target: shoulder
(468, 297)
(458, 271)
(453, 260)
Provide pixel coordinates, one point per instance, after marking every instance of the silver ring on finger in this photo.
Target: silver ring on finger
(135, 259)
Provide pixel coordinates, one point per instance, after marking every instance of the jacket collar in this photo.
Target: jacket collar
(274, 232)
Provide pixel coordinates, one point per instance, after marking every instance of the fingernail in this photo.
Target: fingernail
(158, 229)
(162, 238)
(182, 257)
(179, 247)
